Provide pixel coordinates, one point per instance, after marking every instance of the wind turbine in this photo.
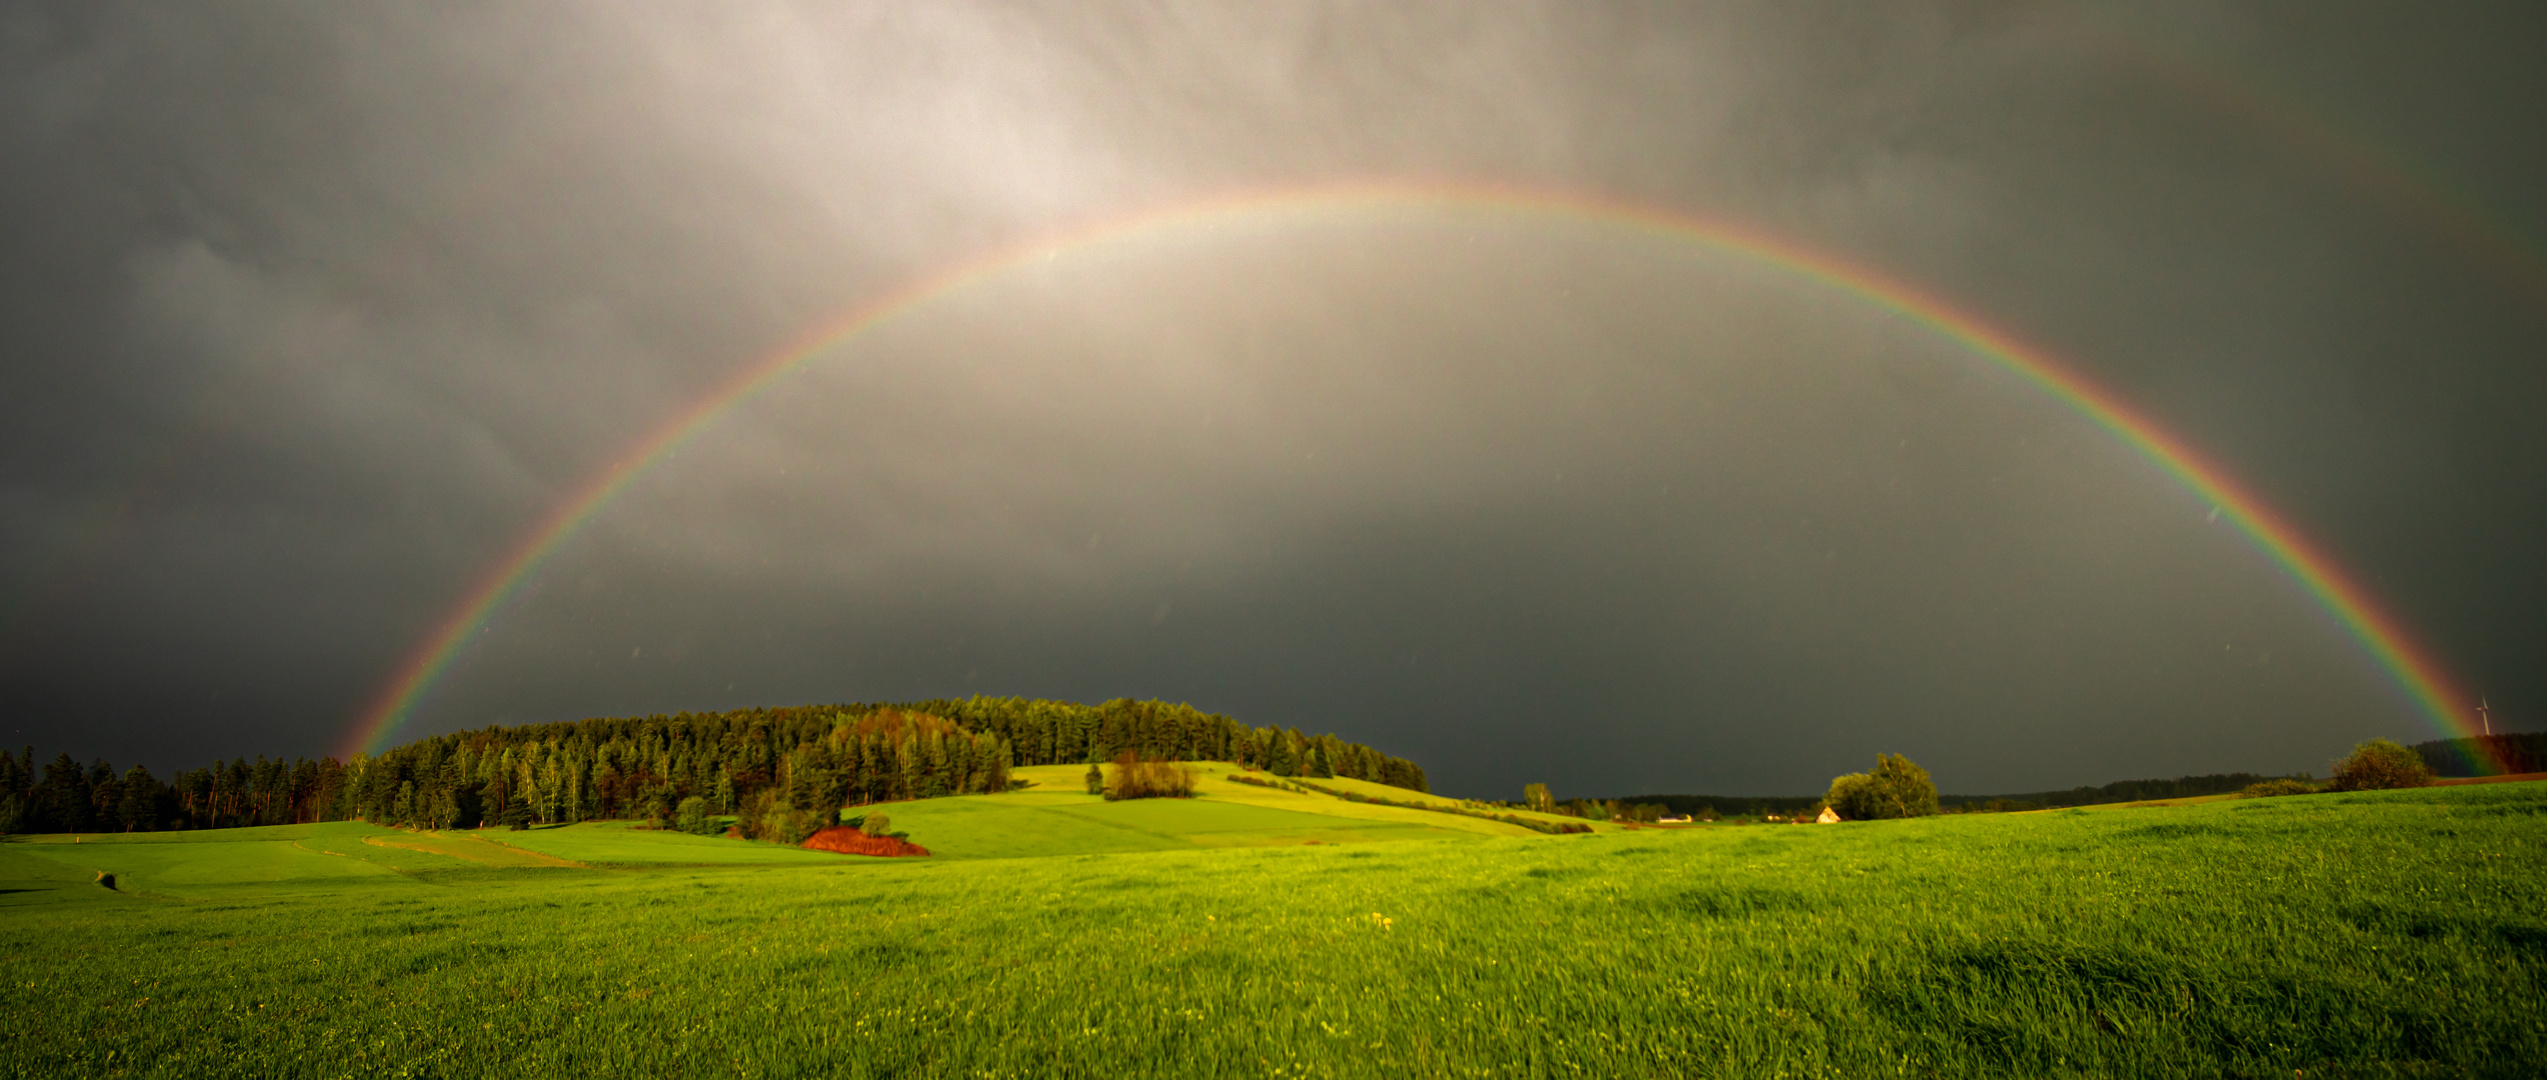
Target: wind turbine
(2483, 711)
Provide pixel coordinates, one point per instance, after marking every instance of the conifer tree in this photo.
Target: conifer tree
(912, 765)
(138, 806)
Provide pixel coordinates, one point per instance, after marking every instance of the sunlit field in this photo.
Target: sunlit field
(1265, 933)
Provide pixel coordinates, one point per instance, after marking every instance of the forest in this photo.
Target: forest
(2476, 755)
(751, 763)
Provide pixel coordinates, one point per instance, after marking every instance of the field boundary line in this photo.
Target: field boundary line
(544, 858)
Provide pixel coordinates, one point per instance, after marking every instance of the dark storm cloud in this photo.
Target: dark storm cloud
(313, 310)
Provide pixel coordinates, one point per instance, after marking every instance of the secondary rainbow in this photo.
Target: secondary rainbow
(2417, 673)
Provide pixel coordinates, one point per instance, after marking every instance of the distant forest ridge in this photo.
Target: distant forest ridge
(743, 761)
(2119, 791)
(2475, 755)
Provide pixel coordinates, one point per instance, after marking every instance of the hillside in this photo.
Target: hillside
(1051, 816)
(763, 765)
(2120, 791)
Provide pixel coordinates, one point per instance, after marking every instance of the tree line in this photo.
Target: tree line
(792, 765)
(1759, 806)
(65, 796)
(2120, 791)
(2476, 755)
(1061, 733)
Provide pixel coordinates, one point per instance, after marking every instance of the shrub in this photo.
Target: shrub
(1896, 789)
(788, 825)
(2381, 764)
(766, 817)
(692, 817)
(1096, 779)
(2282, 786)
(875, 824)
(1137, 778)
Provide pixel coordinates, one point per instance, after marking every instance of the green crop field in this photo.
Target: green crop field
(1264, 933)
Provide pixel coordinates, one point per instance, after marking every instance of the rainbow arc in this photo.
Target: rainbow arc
(2416, 672)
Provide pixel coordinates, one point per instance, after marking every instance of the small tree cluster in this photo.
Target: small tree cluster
(2380, 763)
(1536, 797)
(1896, 789)
(1136, 777)
(692, 817)
(774, 819)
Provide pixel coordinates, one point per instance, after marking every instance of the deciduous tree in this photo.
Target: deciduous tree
(1896, 789)
(2380, 763)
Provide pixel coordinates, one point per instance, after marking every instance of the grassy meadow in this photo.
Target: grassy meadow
(1263, 933)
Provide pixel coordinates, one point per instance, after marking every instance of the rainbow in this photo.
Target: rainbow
(2387, 173)
(2416, 672)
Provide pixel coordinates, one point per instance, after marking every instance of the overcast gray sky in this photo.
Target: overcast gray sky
(313, 310)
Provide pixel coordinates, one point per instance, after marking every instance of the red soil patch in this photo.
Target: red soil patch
(848, 841)
(2512, 779)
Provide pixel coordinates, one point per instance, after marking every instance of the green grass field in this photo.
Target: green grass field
(2376, 934)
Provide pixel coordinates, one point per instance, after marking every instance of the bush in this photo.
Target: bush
(2381, 764)
(786, 824)
(875, 824)
(2282, 786)
(692, 817)
(1896, 789)
(1096, 779)
(1135, 778)
(766, 817)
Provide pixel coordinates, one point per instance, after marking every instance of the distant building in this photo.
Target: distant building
(1829, 817)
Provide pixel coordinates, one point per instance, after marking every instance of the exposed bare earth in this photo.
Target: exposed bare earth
(848, 841)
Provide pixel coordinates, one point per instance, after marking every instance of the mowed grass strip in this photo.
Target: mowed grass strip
(625, 844)
(1038, 824)
(2393, 933)
(1064, 785)
(475, 849)
(227, 861)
